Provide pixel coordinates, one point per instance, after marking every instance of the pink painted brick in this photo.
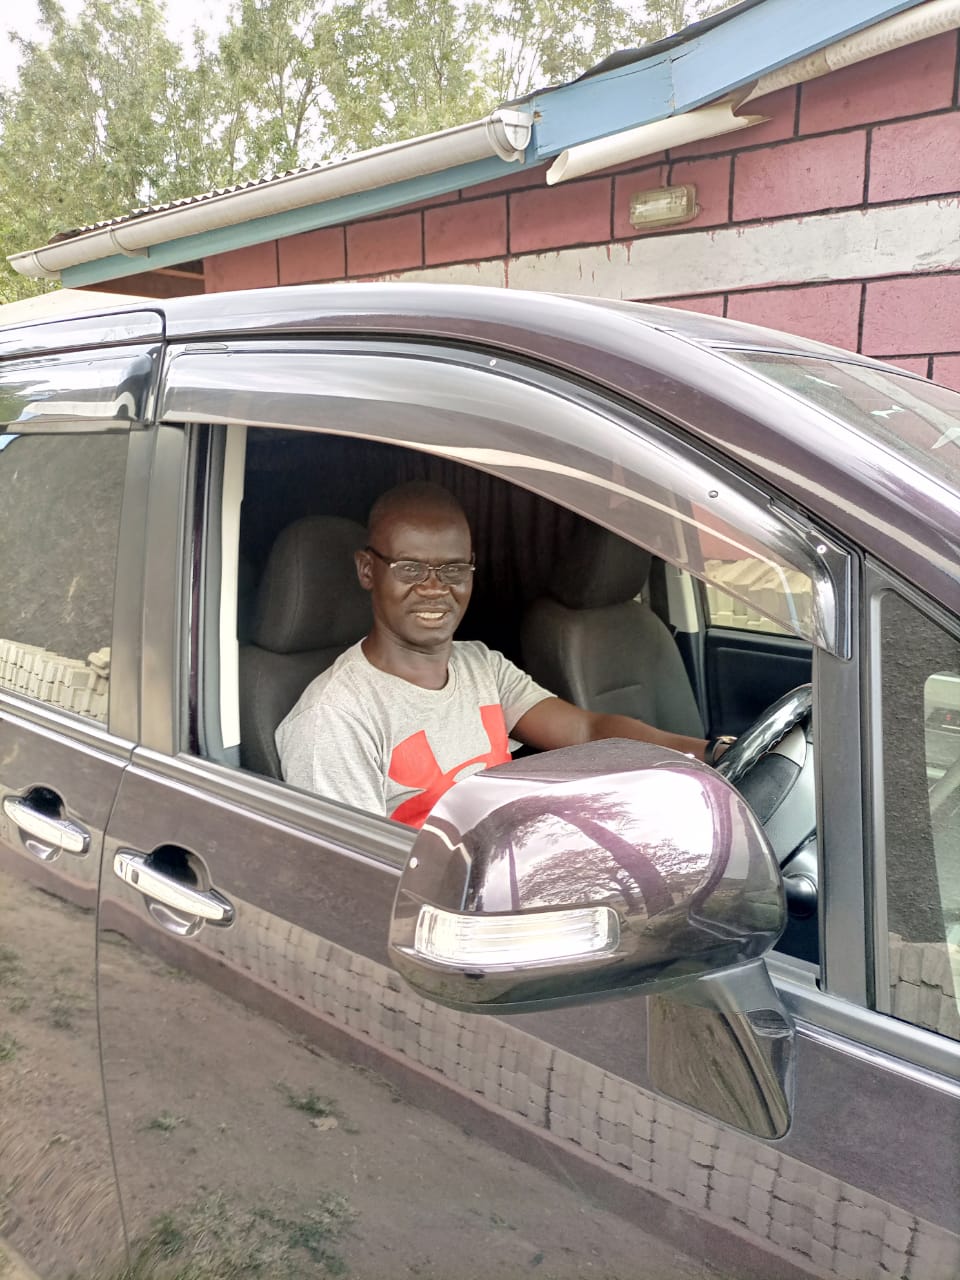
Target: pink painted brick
(827, 312)
(914, 313)
(254, 267)
(710, 177)
(781, 107)
(384, 244)
(912, 364)
(800, 177)
(709, 304)
(533, 177)
(625, 187)
(312, 256)
(573, 213)
(904, 82)
(916, 158)
(712, 180)
(946, 369)
(466, 232)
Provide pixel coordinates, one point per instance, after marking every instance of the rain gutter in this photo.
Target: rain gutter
(503, 136)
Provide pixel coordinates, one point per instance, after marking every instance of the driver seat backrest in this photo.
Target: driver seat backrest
(595, 642)
(310, 607)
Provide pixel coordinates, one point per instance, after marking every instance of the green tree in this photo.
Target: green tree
(537, 42)
(83, 136)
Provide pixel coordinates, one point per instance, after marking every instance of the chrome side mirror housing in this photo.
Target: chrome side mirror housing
(586, 872)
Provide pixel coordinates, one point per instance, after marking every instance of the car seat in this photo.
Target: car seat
(595, 641)
(310, 607)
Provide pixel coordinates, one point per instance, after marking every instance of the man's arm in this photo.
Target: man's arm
(554, 723)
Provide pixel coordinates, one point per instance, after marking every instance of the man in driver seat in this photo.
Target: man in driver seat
(408, 711)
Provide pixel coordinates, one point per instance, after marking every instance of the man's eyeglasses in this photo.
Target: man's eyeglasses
(415, 572)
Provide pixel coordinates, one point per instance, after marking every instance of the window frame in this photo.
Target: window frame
(190, 412)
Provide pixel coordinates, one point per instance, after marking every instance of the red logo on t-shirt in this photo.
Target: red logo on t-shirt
(413, 764)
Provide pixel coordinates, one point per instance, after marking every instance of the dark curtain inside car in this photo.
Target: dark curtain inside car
(517, 535)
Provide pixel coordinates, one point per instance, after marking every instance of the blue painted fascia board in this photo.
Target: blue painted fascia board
(291, 222)
(702, 69)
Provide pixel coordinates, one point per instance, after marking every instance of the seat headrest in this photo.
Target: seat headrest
(599, 568)
(309, 596)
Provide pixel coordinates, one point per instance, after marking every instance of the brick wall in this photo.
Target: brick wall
(833, 220)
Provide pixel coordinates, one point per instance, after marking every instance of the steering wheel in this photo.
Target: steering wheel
(792, 709)
(771, 765)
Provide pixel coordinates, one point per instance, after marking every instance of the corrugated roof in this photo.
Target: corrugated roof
(182, 201)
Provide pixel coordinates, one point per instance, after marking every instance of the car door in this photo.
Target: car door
(67, 722)
(262, 1094)
(231, 1131)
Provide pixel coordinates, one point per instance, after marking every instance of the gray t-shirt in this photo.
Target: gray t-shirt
(380, 743)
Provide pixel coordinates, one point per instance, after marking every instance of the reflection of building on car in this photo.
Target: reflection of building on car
(615, 486)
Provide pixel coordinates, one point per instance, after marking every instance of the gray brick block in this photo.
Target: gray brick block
(911, 959)
(906, 1002)
(849, 1265)
(823, 1255)
(894, 1262)
(758, 1223)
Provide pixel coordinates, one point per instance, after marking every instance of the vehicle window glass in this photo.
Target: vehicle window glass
(624, 473)
(921, 785)
(918, 419)
(60, 496)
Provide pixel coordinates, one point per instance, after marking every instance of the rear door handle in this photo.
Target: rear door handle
(206, 905)
(48, 835)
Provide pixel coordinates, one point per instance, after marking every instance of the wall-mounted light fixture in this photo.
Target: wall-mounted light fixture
(663, 206)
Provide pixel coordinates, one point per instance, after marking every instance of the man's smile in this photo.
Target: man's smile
(430, 615)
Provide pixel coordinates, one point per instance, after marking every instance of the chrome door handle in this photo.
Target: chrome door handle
(51, 835)
(205, 904)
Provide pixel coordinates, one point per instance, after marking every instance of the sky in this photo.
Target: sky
(21, 18)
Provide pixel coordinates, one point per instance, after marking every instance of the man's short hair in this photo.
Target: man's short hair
(413, 498)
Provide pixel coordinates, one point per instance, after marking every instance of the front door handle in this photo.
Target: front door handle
(47, 835)
(205, 905)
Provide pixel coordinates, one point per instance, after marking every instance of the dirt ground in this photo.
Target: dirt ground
(242, 1152)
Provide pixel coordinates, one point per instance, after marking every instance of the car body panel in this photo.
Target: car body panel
(866, 1181)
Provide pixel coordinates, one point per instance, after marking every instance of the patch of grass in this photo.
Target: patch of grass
(9, 1046)
(164, 1122)
(9, 966)
(64, 1007)
(310, 1103)
(316, 1230)
(19, 1003)
(211, 1240)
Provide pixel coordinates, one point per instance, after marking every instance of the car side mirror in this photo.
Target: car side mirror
(613, 867)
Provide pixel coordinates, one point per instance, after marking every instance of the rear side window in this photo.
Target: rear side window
(60, 496)
(921, 787)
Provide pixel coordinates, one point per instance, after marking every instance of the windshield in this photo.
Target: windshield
(915, 418)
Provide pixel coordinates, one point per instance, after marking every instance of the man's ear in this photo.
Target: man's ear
(364, 562)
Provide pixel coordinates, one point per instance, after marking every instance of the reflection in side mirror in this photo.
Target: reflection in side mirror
(584, 872)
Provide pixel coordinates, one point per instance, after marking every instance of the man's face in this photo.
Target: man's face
(422, 616)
